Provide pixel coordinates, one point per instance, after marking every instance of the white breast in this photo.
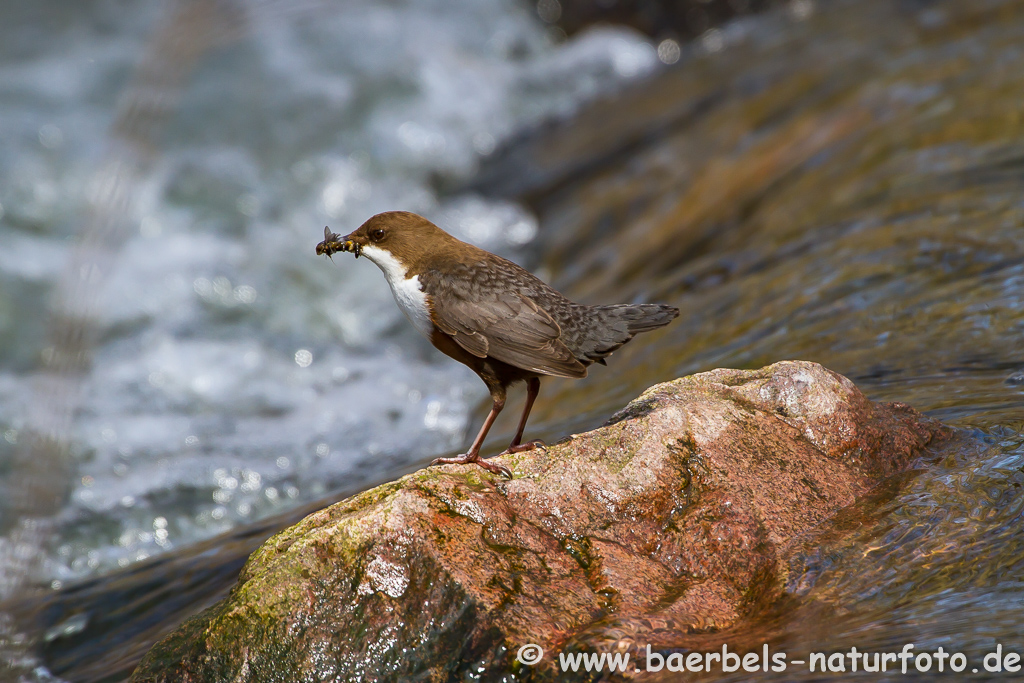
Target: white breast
(407, 290)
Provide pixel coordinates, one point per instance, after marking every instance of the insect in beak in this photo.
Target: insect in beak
(332, 244)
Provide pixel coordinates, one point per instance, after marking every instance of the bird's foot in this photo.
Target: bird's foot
(528, 446)
(467, 458)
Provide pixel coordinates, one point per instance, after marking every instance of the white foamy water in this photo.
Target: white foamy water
(236, 373)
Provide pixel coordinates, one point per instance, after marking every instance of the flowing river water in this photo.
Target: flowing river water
(835, 181)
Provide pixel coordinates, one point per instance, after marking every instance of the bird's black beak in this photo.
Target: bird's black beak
(334, 243)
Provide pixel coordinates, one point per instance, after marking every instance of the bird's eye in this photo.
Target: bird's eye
(377, 235)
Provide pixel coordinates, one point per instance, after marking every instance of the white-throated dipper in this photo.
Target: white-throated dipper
(490, 314)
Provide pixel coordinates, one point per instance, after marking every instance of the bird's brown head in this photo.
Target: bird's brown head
(405, 236)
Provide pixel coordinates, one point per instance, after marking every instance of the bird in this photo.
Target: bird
(490, 314)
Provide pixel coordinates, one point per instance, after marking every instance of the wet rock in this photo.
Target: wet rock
(656, 18)
(675, 519)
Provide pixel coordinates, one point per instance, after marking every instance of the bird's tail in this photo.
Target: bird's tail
(616, 324)
(641, 317)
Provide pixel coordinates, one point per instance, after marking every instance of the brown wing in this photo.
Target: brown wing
(509, 327)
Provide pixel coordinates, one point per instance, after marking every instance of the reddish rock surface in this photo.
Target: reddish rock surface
(675, 519)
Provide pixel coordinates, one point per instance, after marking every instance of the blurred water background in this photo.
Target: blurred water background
(834, 181)
(233, 374)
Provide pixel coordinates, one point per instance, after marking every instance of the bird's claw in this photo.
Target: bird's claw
(466, 459)
(528, 446)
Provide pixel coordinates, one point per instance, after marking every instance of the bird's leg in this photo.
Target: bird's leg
(473, 454)
(532, 389)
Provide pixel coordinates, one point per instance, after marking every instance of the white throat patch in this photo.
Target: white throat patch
(408, 293)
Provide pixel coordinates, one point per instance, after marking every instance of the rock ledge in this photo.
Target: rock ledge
(677, 518)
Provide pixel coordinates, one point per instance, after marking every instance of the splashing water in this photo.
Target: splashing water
(233, 373)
